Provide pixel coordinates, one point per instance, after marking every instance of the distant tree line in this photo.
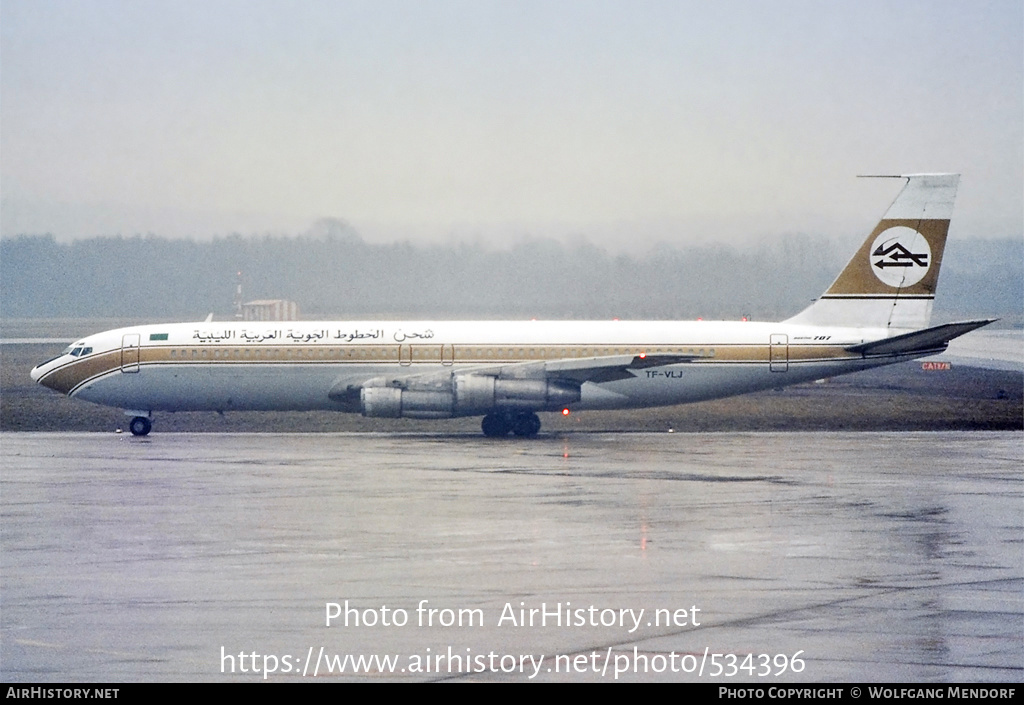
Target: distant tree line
(334, 273)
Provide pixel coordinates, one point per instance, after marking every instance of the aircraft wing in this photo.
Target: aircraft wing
(936, 338)
(571, 371)
(609, 368)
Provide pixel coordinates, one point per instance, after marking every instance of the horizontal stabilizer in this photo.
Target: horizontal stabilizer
(928, 339)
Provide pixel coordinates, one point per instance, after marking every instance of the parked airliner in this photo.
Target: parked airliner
(875, 313)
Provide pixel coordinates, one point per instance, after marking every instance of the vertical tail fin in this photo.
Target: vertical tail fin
(890, 282)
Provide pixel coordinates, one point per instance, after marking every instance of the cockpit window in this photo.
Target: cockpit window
(76, 350)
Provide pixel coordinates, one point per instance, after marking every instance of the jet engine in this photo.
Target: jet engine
(462, 395)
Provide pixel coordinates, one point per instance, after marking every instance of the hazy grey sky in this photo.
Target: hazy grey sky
(641, 121)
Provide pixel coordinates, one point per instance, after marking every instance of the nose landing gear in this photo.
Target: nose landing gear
(140, 426)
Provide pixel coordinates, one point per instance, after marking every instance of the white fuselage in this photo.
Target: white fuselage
(309, 365)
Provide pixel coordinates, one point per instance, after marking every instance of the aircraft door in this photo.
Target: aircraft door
(778, 352)
(405, 355)
(130, 351)
(448, 355)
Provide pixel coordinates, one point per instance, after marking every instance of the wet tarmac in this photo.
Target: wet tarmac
(768, 557)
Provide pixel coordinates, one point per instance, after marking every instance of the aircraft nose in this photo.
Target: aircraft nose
(42, 368)
(50, 375)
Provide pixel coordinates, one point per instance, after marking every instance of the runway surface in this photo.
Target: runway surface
(771, 557)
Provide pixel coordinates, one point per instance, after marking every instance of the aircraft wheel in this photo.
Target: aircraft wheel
(140, 426)
(495, 425)
(527, 424)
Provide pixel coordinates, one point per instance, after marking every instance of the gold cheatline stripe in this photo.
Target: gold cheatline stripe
(73, 374)
(476, 354)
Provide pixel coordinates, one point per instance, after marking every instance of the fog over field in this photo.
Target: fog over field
(625, 123)
(332, 272)
(664, 159)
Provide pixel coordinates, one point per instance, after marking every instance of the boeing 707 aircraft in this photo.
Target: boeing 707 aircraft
(877, 312)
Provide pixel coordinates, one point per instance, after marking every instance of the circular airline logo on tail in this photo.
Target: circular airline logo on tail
(900, 256)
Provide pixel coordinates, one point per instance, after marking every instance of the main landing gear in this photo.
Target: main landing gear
(521, 423)
(140, 426)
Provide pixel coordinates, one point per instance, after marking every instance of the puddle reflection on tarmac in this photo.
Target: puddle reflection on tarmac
(769, 557)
